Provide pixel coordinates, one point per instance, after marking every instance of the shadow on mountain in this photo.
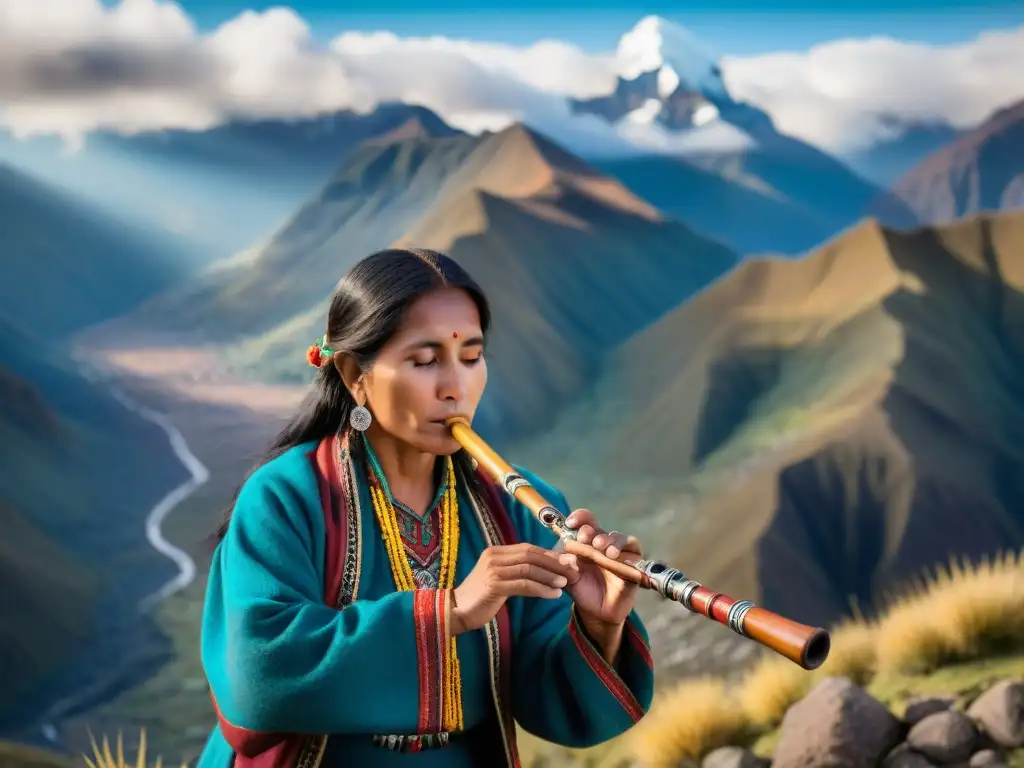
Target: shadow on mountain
(936, 474)
(735, 385)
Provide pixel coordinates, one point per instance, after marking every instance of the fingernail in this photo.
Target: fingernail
(558, 593)
(567, 559)
(561, 581)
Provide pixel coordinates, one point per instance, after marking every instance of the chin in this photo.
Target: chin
(440, 444)
(447, 446)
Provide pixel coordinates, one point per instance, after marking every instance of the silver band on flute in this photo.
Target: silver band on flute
(513, 481)
(737, 613)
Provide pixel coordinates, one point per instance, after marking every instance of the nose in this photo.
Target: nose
(451, 384)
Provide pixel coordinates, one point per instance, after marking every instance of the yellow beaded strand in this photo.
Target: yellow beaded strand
(402, 573)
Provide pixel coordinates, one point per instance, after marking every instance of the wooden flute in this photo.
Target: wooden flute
(806, 646)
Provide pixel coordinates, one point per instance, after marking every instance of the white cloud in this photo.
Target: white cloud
(69, 67)
(845, 94)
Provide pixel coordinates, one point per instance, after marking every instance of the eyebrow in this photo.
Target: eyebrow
(430, 344)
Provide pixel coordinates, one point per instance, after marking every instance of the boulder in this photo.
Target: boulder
(986, 758)
(920, 707)
(837, 723)
(1000, 712)
(904, 757)
(945, 737)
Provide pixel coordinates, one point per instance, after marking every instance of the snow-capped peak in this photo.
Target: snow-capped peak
(675, 53)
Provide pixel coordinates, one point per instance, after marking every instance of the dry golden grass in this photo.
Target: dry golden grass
(771, 687)
(853, 653)
(961, 614)
(106, 758)
(686, 723)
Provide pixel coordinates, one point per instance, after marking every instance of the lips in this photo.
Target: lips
(444, 419)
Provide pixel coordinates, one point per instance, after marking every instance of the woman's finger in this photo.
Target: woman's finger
(555, 562)
(533, 572)
(585, 534)
(527, 588)
(616, 544)
(580, 517)
(633, 545)
(603, 539)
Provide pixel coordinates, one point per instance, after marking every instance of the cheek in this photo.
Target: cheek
(412, 396)
(477, 381)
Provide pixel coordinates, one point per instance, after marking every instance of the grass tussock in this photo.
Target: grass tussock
(962, 614)
(106, 758)
(769, 689)
(686, 723)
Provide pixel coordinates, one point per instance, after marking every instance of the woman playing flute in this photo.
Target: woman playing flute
(373, 599)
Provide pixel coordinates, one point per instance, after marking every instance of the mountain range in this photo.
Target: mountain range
(814, 431)
(738, 177)
(573, 259)
(214, 191)
(982, 170)
(779, 382)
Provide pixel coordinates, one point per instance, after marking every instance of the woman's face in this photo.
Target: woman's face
(433, 368)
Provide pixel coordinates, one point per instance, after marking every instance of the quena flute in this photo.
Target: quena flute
(804, 645)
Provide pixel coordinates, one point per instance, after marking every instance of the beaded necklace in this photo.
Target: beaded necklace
(401, 569)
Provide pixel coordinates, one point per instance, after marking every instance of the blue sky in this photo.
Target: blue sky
(737, 27)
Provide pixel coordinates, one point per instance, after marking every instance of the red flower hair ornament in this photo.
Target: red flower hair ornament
(319, 354)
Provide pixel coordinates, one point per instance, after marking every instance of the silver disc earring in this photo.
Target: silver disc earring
(360, 418)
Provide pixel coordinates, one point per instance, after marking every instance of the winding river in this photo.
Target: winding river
(198, 475)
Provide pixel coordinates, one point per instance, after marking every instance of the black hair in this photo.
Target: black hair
(366, 310)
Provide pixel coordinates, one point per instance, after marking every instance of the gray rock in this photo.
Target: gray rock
(733, 757)
(919, 708)
(945, 737)
(986, 758)
(904, 757)
(837, 723)
(1000, 711)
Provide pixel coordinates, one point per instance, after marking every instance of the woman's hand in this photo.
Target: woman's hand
(507, 571)
(603, 600)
